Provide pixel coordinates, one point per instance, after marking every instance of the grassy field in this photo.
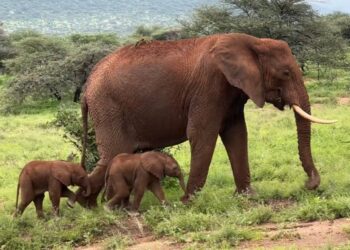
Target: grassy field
(216, 218)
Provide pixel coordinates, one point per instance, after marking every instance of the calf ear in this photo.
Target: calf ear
(62, 174)
(153, 165)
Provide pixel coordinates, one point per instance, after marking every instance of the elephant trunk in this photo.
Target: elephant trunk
(304, 139)
(87, 191)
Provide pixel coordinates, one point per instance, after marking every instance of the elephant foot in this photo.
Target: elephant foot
(56, 218)
(165, 204)
(108, 209)
(16, 214)
(186, 199)
(247, 191)
(313, 182)
(40, 215)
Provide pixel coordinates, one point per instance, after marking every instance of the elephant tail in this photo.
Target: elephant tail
(103, 197)
(17, 194)
(84, 112)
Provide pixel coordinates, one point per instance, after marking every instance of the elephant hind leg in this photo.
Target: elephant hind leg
(38, 202)
(27, 195)
(126, 202)
(113, 135)
(55, 191)
(120, 191)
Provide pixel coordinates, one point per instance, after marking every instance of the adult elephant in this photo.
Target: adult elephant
(160, 94)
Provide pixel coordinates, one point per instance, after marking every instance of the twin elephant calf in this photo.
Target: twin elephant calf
(126, 173)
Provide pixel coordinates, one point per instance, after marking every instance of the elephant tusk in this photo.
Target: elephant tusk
(311, 118)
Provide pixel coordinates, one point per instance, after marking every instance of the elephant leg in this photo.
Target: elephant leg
(234, 138)
(140, 186)
(38, 202)
(55, 191)
(203, 142)
(112, 136)
(126, 202)
(111, 141)
(156, 188)
(120, 190)
(116, 200)
(27, 196)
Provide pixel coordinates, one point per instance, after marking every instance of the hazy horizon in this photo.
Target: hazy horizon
(90, 16)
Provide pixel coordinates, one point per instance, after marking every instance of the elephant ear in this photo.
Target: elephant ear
(153, 165)
(62, 173)
(238, 60)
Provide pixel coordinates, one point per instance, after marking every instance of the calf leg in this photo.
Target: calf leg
(157, 190)
(27, 196)
(121, 192)
(55, 191)
(38, 202)
(125, 202)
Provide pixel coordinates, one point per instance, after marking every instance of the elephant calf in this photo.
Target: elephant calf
(135, 173)
(37, 177)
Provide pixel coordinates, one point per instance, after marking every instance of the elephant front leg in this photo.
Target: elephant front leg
(38, 202)
(234, 137)
(55, 191)
(157, 190)
(202, 141)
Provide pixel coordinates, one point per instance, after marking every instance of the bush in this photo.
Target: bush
(48, 67)
(310, 37)
(71, 122)
(6, 48)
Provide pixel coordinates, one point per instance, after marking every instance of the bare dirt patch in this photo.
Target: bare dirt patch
(343, 100)
(309, 235)
(140, 235)
(154, 244)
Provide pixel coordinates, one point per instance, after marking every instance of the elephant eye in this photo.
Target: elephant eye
(286, 72)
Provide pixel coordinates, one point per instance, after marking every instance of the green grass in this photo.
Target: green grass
(217, 218)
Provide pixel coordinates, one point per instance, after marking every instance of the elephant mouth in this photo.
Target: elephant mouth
(279, 103)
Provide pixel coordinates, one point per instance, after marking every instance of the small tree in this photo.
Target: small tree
(52, 67)
(37, 57)
(79, 63)
(339, 22)
(69, 119)
(154, 33)
(6, 48)
(293, 21)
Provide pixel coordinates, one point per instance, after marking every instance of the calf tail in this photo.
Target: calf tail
(18, 185)
(103, 197)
